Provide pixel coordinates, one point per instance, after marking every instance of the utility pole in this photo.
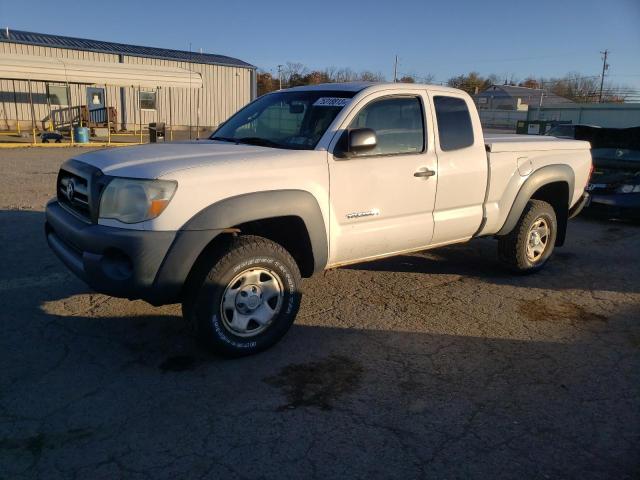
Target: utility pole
(605, 67)
(395, 70)
(280, 77)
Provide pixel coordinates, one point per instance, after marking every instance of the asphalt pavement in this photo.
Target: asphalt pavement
(434, 365)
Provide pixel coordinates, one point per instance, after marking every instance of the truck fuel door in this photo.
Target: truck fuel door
(525, 167)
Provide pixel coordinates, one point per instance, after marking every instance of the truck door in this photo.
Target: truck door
(382, 200)
(462, 168)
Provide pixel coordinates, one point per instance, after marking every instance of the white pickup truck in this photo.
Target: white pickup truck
(300, 181)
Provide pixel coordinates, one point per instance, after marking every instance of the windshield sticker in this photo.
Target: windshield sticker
(331, 102)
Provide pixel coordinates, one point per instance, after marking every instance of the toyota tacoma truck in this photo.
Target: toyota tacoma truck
(300, 181)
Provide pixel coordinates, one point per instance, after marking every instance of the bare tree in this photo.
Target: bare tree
(345, 75)
(292, 74)
(367, 76)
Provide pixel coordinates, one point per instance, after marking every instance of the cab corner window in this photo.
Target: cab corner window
(398, 123)
(454, 123)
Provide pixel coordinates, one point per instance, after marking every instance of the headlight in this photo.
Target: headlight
(131, 201)
(628, 189)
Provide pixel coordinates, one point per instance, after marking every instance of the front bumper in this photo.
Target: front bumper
(115, 261)
(134, 264)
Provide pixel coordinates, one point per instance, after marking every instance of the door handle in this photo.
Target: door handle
(424, 173)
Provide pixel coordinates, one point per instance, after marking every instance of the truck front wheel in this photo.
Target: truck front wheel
(248, 299)
(529, 245)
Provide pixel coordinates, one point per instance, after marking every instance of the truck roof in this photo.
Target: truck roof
(359, 86)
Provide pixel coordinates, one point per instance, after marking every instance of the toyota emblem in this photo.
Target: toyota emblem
(71, 190)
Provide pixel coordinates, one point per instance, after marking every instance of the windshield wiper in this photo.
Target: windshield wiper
(225, 139)
(261, 142)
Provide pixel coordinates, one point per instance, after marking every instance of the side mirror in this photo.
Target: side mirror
(362, 140)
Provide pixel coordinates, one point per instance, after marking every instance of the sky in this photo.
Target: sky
(441, 38)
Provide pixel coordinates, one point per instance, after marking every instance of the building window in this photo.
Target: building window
(95, 98)
(58, 95)
(148, 100)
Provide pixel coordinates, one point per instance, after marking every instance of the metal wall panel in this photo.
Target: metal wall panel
(225, 90)
(610, 115)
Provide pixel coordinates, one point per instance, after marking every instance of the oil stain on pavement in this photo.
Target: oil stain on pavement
(548, 310)
(179, 363)
(317, 384)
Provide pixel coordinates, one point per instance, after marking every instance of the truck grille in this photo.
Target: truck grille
(79, 187)
(73, 193)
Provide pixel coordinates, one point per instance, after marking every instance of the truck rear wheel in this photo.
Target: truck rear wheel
(530, 244)
(248, 300)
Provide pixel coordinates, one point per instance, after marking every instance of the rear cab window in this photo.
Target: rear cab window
(454, 123)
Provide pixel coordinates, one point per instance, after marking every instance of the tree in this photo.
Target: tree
(530, 82)
(343, 75)
(367, 76)
(265, 83)
(472, 83)
(293, 74)
(316, 77)
(407, 79)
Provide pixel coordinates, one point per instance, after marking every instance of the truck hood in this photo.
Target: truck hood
(157, 160)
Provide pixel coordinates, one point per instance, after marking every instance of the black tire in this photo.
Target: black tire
(45, 140)
(512, 248)
(203, 303)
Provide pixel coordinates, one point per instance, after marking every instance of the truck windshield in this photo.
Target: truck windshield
(292, 120)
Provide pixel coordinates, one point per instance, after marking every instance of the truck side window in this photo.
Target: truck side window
(454, 123)
(398, 123)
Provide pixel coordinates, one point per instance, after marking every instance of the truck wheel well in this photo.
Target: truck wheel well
(557, 195)
(288, 231)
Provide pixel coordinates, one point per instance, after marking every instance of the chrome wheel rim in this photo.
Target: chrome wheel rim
(537, 239)
(251, 301)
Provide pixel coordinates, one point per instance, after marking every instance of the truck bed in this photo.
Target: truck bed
(512, 158)
(527, 143)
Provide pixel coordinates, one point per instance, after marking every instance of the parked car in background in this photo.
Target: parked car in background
(55, 136)
(615, 183)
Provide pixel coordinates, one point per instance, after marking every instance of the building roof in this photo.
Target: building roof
(59, 41)
(48, 69)
(530, 96)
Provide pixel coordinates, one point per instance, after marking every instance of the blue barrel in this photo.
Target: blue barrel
(81, 134)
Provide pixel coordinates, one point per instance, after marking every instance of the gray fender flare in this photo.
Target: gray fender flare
(541, 177)
(209, 223)
(261, 205)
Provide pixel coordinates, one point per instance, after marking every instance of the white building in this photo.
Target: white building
(227, 84)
